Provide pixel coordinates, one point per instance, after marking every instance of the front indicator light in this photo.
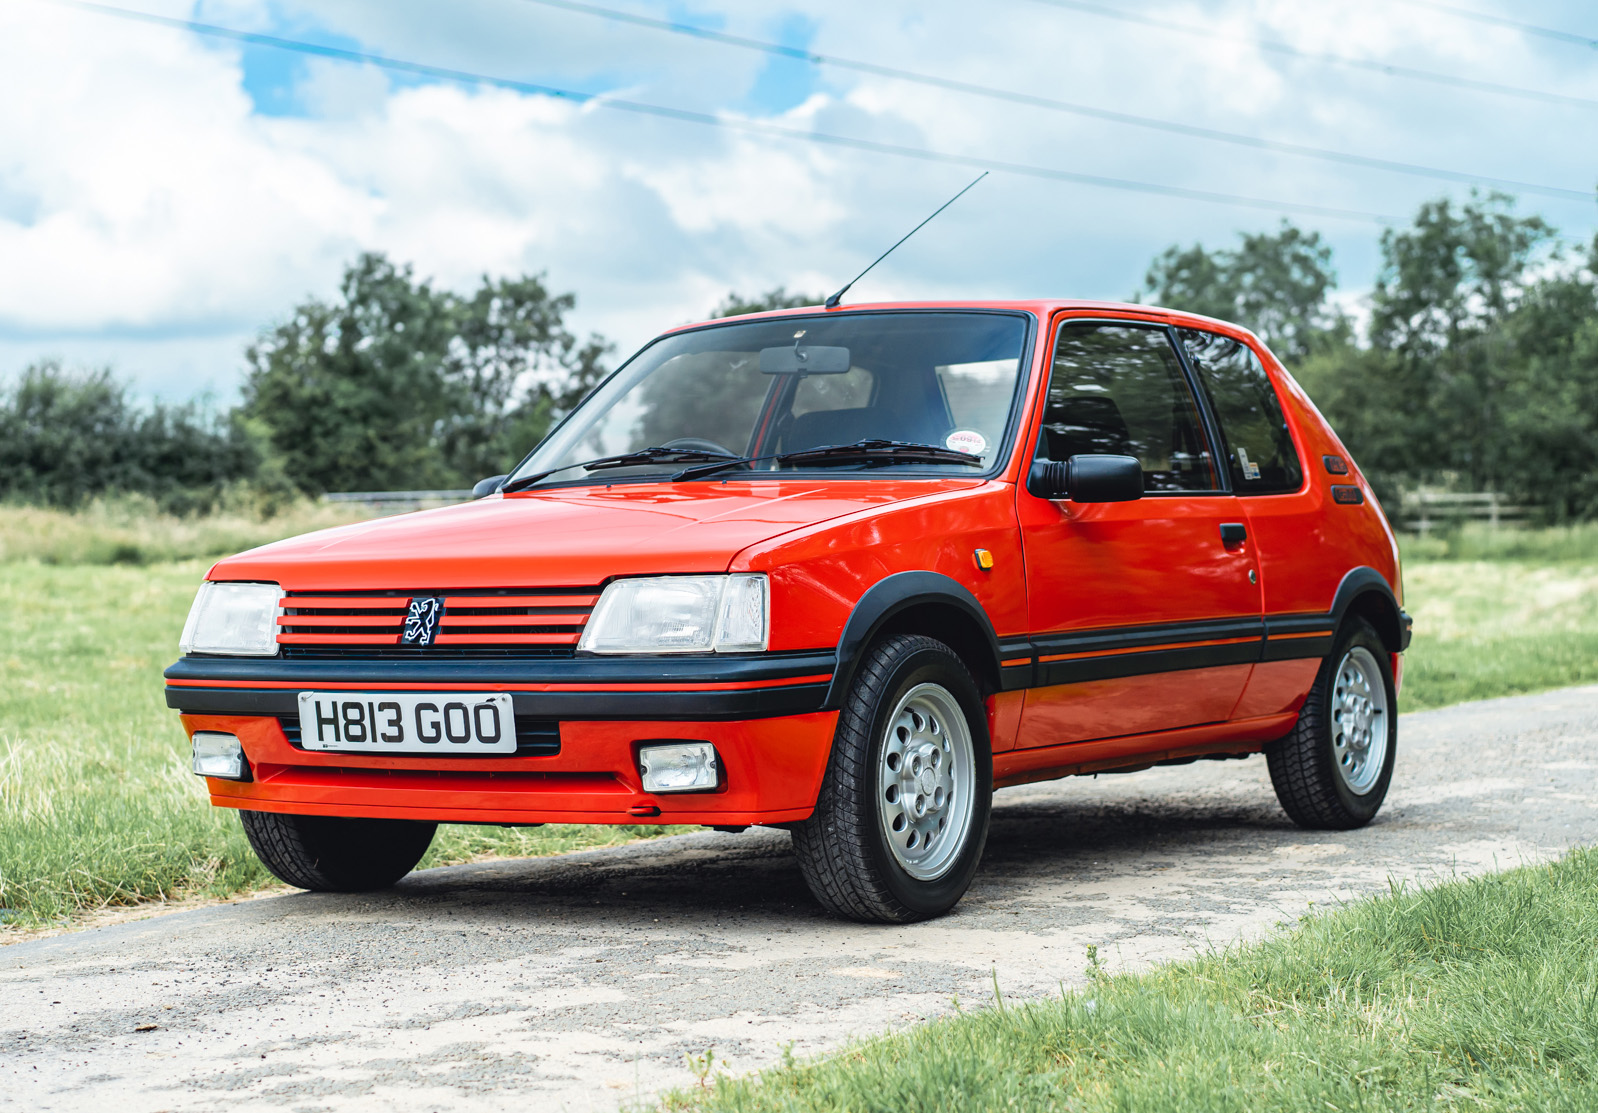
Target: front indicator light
(219, 755)
(679, 767)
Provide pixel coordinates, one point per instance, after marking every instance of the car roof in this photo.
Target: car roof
(1043, 308)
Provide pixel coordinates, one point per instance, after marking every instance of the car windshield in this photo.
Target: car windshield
(771, 387)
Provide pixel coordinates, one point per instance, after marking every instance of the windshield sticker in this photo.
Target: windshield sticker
(967, 440)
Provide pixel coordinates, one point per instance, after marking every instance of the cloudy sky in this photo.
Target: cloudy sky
(165, 193)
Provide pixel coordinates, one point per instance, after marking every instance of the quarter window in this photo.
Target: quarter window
(1120, 390)
(1259, 449)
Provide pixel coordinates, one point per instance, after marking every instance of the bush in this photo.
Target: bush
(67, 436)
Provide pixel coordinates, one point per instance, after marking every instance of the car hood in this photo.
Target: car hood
(567, 536)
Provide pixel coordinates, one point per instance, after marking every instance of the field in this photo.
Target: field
(97, 806)
(1479, 995)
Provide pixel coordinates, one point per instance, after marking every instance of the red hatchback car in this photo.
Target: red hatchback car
(839, 571)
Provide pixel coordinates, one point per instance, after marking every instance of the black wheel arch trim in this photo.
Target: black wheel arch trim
(895, 594)
(1363, 581)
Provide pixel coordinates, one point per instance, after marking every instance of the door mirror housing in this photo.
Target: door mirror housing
(1088, 479)
(486, 487)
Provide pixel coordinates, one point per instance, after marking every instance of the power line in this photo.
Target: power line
(1049, 103)
(1501, 21)
(755, 127)
(1328, 58)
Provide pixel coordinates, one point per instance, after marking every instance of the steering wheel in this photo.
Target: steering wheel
(697, 444)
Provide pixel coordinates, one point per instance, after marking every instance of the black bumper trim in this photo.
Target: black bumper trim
(738, 703)
(309, 673)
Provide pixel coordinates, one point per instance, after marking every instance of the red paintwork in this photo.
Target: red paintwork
(593, 779)
(1058, 567)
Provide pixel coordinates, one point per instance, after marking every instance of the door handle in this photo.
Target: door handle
(1233, 533)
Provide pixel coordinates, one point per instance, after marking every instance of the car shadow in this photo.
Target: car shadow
(707, 878)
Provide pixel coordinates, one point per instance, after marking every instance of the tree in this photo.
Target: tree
(735, 304)
(66, 436)
(1446, 289)
(400, 385)
(1453, 273)
(1276, 284)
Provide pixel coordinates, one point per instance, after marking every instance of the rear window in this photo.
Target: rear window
(1259, 450)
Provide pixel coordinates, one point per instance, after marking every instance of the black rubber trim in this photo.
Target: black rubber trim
(421, 671)
(1111, 638)
(1277, 625)
(1366, 580)
(1116, 665)
(888, 597)
(743, 703)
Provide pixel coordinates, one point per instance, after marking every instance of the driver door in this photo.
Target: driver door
(1144, 615)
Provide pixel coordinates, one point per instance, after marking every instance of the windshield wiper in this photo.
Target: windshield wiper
(652, 455)
(874, 452)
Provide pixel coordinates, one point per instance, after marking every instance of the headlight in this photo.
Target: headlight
(680, 614)
(236, 619)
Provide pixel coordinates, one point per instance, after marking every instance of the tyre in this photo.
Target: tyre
(1332, 772)
(902, 815)
(332, 854)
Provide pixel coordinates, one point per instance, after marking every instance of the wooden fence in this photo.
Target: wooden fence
(1423, 510)
(396, 502)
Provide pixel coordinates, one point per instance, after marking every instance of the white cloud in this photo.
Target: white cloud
(145, 203)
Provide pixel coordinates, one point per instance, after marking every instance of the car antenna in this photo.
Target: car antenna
(832, 302)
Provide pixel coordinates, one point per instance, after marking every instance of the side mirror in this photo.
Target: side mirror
(486, 487)
(1088, 479)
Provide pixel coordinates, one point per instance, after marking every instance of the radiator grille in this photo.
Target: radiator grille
(534, 737)
(497, 622)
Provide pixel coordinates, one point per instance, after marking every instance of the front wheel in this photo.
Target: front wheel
(902, 816)
(1332, 772)
(334, 854)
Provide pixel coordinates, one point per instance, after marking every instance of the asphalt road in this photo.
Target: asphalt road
(580, 982)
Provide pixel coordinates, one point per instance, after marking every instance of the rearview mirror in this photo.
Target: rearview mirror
(486, 487)
(1088, 479)
(813, 360)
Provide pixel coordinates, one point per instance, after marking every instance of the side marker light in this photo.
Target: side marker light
(1348, 496)
(984, 559)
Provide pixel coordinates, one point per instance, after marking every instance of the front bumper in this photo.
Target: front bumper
(764, 715)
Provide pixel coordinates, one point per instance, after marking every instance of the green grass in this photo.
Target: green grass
(1478, 995)
(97, 806)
(1486, 628)
(132, 530)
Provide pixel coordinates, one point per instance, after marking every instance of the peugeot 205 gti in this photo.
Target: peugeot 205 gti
(839, 571)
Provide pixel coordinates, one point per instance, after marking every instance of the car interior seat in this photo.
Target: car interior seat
(1087, 425)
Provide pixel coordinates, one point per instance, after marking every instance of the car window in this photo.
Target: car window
(977, 396)
(1259, 449)
(849, 391)
(948, 379)
(1120, 390)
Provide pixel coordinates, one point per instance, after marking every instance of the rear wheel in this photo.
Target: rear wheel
(333, 854)
(1332, 772)
(902, 815)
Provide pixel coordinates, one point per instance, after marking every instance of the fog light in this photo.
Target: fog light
(678, 767)
(219, 755)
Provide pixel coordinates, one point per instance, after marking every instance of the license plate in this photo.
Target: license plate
(450, 723)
